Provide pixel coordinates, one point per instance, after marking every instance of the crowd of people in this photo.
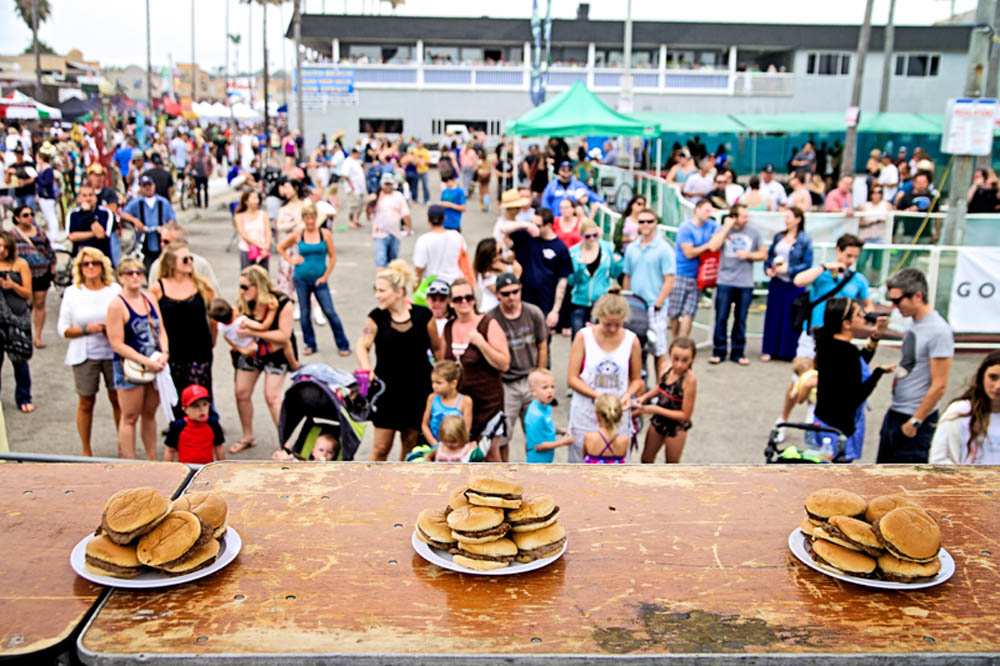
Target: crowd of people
(460, 336)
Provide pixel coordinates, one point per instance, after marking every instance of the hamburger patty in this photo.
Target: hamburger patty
(506, 496)
(543, 551)
(486, 558)
(205, 536)
(836, 533)
(532, 521)
(113, 568)
(499, 530)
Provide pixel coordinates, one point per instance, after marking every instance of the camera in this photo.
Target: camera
(872, 318)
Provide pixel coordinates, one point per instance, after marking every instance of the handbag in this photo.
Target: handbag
(15, 327)
(708, 269)
(137, 373)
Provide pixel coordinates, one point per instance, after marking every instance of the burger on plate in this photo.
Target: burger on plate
(432, 529)
(477, 524)
(534, 514)
(495, 493)
(843, 560)
(131, 513)
(488, 556)
(210, 508)
(825, 503)
(539, 544)
(904, 571)
(198, 557)
(850, 533)
(169, 543)
(883, 504)
(457, 500)
(107, 558)
(909, 533)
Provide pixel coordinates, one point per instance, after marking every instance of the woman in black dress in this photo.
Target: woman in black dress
(404, 337)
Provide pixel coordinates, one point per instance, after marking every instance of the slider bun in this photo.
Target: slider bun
(820, 534)
(106, 550)
(535, 507)
(170, 539)
(857, 531)
(200, 557)
(457, 499)
(883, 504)
(827, 502)
(478, 565)
(539, 538)
(132, 512)
(475, 518)
(431, 523)
(910, 533)
(498, 548)
(493, 486)
(905, 571)
(807, 527)
(843, 559)
(210, 508)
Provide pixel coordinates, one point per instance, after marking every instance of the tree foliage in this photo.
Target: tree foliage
(23, 9)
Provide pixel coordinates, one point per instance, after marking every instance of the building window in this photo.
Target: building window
(828, 64)
(380, 125)
(376, 54)
(917, 64)
(697, 58)
(641, 58)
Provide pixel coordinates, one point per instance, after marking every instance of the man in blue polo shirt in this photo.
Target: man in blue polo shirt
(823, 279)
(693, 239)
(649, 273)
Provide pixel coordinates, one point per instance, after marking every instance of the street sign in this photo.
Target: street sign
(327, 85)
(968, 126)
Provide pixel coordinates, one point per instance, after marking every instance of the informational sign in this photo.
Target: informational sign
(968, 126)
(852, 116)
(327, 85)
(975, 291)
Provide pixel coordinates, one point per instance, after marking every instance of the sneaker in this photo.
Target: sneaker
(296, 314)
(318, 318)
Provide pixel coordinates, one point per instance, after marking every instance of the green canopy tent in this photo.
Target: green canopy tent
(578, 112)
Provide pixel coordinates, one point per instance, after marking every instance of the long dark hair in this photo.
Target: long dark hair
(631, 202)
(486, 252)
(979, 404)
(242, 207)
(799, 215)
(837, 311)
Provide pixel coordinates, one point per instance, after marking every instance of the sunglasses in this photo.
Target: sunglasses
(132, 272)
(244, 287)
(89, 264)
(27, 214)
(468, 298)
(186, 259)
(510, 292)
(896, 301)
(590, 236)
(647, 221)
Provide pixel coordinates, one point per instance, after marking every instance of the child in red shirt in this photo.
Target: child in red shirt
(197, 438)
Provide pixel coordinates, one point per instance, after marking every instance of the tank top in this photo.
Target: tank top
(605, 372)
(669, 396)
(439, 410)
(141, 331)
(480, 380)
(600, 458)
(254, 228)
(315, 260)
(186, 322)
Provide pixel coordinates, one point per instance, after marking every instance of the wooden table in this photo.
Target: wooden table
(45, 509)
(662, 561)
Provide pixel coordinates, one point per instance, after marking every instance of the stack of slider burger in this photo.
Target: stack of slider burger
(142, 530)
(487, 525)
(890, 537)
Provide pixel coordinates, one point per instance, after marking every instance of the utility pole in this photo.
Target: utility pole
(980, 40)
(252, 79)
(149, 62)
(38, 53)
(625, 96)
(225, 71)
(887, 48)
(851, 137)
(297, 22)
(986, 161)
(267, 93)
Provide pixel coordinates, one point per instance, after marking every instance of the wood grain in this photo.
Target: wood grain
(45, 509)
(678, 559)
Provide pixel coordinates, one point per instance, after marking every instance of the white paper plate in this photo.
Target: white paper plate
(149, 579)
(797, 543)
(443, 559)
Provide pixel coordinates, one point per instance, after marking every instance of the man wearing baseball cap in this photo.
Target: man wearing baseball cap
(150, 213)
(566, 186)
(197, 437)
(771, 188)
(390, 221)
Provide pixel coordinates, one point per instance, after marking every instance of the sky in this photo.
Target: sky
(115, 30)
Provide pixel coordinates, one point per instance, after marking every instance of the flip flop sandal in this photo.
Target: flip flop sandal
(743, 361)
(242, 445)
(26, 408)
(715, 360)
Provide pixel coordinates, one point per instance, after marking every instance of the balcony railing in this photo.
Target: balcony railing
(518, 77)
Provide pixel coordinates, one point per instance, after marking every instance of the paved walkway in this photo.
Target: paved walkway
(735, 409)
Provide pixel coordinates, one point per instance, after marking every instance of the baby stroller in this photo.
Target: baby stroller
(823, 444)
(322, 400)
(638, 323)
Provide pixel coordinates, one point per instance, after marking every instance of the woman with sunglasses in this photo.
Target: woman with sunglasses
(83, 317)
(845, 380)
(15, 285)
(402, 335)
(33, 246)
(183, 297)
(136, 334)
(478, 342)
(595, 264)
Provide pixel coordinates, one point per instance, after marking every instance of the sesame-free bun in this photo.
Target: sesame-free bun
(131, 513)
(457, 500)
(170, 540)
(477, 565)
(904, 571)
(197, 558)
(495, 549)
(910, 533)
(539, 544)
(857, 532)
(210, 508)
(494, 492)
(843, 559)
(831, 536)
(533, 514)
(107, 558)
(883, 504)
(822, 504)
(477, 524)
(432, 529)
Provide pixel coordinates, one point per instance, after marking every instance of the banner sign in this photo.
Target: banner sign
(975, 291)
(327, 85)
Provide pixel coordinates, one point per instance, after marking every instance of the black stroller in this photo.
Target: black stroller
(823, 444)
(324, 400)
(638, 323)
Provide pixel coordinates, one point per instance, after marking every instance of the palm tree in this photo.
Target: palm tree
(34, 12)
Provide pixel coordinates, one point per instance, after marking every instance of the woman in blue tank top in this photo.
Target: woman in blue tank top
(312, 268)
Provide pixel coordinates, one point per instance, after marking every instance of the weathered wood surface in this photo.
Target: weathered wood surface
(45, 509)
(660, 560)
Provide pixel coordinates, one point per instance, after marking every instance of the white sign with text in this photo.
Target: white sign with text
(975, 291)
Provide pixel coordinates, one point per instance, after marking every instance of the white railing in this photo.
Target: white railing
(764, 84)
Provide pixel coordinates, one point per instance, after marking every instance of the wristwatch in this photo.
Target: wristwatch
(915, 422)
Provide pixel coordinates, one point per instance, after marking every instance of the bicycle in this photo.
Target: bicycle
(187, 195)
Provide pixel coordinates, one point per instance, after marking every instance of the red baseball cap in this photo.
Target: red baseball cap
(192, 394)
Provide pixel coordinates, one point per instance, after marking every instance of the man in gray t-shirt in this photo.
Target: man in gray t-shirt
(921, 376)
(739, 246)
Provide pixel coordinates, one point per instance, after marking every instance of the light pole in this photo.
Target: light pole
(625, 96)
(851, 136)
(194, 68)
(149, 62)
(887, 48)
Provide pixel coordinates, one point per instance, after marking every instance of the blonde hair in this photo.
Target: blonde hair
(588, 225)
(537, 374)
(398, 274)
(611, 305)
(450, 371)
(308, 208)
(107, 272)
(259, 278)
(168, 269)
(453, 430)
(609, 410)
(127, 263)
